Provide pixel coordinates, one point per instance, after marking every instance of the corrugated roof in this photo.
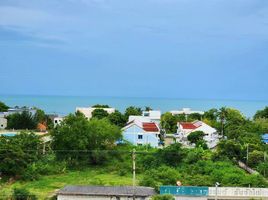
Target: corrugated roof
(150, 127)
(107, 191)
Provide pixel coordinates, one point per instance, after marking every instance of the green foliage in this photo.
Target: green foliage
(161, 176)
(255, 157)
(100, 106)
(132, 110)
(261, 113)
(169, 122)
(23, 194)
(18, 152)
(117, 118)
(86, 138)
(163, 197)
(3, 107)
(230, 148)
(99, 113)
(195, 136)
(24, 120)
(171, 155)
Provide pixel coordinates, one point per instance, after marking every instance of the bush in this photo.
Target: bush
(22, 194)
(163, 197)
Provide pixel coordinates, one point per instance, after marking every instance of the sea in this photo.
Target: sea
(64, 105)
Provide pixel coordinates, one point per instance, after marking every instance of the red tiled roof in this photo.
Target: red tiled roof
(150, 127)
(188, 125)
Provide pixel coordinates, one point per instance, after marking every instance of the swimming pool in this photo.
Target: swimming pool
(9, 134)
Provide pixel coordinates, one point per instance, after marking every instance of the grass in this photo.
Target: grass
(46, 186)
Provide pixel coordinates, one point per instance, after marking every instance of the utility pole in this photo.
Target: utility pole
(134, 172)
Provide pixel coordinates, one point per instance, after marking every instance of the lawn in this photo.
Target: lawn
(47, 185)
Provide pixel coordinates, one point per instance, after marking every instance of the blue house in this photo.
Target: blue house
(142, 133)
(265, 138)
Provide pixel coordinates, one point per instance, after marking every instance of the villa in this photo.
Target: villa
(147, 116)
(185, 128)
(142, 133)
(87, 111)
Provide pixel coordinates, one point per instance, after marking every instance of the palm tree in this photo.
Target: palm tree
(222, 113)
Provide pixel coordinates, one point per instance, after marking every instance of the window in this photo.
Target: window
(56, 121)
(2, 125)
(140, 137)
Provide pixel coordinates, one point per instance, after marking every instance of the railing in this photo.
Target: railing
(184, 190)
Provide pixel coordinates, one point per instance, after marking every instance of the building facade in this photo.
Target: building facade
(142, 133)
(3, 123)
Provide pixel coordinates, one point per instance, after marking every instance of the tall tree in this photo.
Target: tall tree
(3, 107)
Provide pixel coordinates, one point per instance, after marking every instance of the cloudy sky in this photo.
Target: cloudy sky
(211, 49)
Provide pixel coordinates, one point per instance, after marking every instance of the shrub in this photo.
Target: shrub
(22, 194)
(163, 197)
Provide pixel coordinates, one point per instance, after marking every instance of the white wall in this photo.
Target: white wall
(3, 123)
(88, 111)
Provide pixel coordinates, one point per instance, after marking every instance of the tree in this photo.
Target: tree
(18, 152)
(117, 118)
(222, 116)
(261, 113)
(132, 110)
(100, 106)
(211, 114)
(195, 136)
(78, 140)
(171, 155)
(255, 157)
(3, 107)
(230, 148)
(169, 122)
(24, 120)
(99, 113)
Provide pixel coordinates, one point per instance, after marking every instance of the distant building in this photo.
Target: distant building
(265, 138)
(87, 111)
(186, 111)
(185, 128)
(105, 193)
(3, 123)
(142, 133)
(57, 120)
(147, 116)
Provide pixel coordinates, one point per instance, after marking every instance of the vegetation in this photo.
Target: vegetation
(163, 197)
(23, 194)
(99, 113)
(3, 107)
(84, 152)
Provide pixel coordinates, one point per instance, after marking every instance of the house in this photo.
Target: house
(142, 133)
(3, 123)
(147, 116)
(57, 120)
(185, 128)
(186, 111)
(265, 138)
(87, 111)
(105, 193)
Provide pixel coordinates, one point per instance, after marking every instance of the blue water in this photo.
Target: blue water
(67, 104)
(9, 134)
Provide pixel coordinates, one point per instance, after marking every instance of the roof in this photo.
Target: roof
(150, 127)
(107, 191)
(190, 125)
(265, 136)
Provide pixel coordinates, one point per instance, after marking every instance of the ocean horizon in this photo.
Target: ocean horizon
(64, 105)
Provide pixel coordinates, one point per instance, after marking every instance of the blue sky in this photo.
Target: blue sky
(212, 49)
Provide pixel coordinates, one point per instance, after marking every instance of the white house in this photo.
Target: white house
(105, 193)
(147, 116)
(3, 123)
(186, 111)
(57, 120)
(142, 133)
(87, 111)
(185, 128)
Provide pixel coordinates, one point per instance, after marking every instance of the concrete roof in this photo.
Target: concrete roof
(106, 191)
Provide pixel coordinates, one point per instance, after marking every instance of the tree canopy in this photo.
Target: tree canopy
(3, 107)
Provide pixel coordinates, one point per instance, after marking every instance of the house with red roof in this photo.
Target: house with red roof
(142, 133)
(185, 128)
